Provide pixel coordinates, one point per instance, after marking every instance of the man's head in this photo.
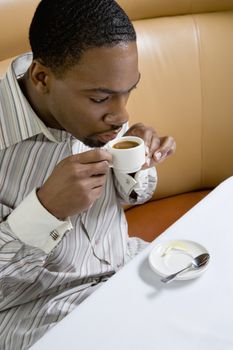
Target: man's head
(84, 67)
(61, 31)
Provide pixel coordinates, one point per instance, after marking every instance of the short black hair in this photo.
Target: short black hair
(61, 30)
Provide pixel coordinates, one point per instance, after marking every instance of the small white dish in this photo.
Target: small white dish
(171, 256)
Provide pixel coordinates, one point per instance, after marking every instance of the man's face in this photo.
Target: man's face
(89, 101)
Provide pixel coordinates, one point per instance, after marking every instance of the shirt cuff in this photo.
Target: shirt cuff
(126, 181)
(35, 226)
(142, 178)
(139, 182)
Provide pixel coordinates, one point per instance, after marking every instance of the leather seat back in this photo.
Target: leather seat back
(186, 62)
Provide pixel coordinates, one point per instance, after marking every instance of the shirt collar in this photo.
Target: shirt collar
(18, 121)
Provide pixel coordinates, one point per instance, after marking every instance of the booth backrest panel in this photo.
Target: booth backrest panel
(138, 9)
(15, 18)
(186, 90)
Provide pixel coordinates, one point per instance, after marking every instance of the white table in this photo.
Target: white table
(134, 310)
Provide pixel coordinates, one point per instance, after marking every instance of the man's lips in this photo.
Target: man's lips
(108, 136)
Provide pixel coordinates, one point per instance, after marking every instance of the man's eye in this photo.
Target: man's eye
(99, 100)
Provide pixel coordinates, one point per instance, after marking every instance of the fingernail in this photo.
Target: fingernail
(148, 161)
(158, 155)
(147, 150)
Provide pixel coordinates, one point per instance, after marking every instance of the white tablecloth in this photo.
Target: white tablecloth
(134, 310)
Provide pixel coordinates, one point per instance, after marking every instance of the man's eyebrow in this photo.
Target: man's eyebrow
(110, 92)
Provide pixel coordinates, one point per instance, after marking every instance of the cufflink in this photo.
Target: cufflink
(54, 234)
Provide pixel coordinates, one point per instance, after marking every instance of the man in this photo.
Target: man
(63, 231)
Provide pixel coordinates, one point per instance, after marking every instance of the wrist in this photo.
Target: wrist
(48, 206)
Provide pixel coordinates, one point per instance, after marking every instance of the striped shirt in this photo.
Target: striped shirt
(48, 266)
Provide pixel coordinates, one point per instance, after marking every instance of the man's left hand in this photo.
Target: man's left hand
(157, 148)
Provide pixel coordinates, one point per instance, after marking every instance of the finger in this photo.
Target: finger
(144, 132)
(93, 156)
(151, 141)
(166, 148)
(135, 130)
(151, 148)
(93, 169)
(172, 149)
(100, 168)
(97, 181)
(96, 192)
(150, 138)
(93, 194)
(154, 144)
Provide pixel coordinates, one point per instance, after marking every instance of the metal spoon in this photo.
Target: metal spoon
(196, 263)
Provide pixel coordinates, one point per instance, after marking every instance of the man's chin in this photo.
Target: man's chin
(93, 143)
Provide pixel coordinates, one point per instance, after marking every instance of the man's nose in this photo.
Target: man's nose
(117, 114)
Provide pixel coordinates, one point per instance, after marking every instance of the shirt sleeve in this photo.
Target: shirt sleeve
(20, 266)
(143, 183)
(27, 237)
(32, 224)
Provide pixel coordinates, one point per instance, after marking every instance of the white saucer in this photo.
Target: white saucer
(171, 256)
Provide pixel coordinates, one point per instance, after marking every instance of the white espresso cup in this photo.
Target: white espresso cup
(128, 154)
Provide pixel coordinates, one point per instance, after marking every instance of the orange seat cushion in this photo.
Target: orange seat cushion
(152, 218)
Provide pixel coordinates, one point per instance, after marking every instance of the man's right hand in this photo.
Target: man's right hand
(75, 183)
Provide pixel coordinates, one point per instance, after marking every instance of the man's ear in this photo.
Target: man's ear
(40, 76)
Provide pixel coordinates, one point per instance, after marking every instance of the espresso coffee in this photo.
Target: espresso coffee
(125, 145)
(128, 154)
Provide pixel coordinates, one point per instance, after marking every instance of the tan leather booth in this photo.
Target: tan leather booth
(186, 90)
